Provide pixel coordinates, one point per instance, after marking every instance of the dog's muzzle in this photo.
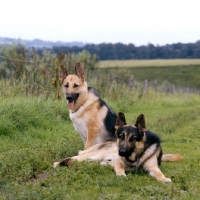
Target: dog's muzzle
(72, 97)
(69, 98)
(124, 152)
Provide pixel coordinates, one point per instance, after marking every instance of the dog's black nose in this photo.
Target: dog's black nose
(123, 152)
(69, 98)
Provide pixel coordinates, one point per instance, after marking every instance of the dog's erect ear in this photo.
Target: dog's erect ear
(79, 70)
(62, 73)
(121, 120)
(140, 123)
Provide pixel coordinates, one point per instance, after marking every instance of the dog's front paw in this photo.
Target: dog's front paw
(55, 164)
(80, 152)
(120, 173)
(167, 180)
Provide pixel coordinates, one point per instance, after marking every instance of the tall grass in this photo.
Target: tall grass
(24, 72)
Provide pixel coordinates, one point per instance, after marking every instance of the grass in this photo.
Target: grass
(36, 132)
(181, 76)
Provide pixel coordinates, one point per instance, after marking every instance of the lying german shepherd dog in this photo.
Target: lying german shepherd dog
(92, 118)
(135, 148)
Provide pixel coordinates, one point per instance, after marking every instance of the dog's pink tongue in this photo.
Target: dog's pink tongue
(70, 105)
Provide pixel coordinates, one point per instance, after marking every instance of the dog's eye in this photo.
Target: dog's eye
(75, 85)
(132, 138)
(67, 85)
(122, 136)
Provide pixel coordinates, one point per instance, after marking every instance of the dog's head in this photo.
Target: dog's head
(129, 137)
(73, 85)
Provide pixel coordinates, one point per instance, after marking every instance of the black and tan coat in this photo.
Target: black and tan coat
(135, 148)
(92, 118)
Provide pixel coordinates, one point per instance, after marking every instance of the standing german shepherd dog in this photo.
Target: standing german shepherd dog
(135, 148)
(92, 118)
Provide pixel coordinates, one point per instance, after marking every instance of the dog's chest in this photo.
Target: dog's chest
(80, 125)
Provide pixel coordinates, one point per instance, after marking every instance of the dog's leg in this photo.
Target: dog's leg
(90, 136)
(66, 162)
(151, 166)
(88, 143)
(119, 167)
(95, 152)
(156, 172)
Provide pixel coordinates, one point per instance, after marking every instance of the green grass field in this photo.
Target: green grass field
(36, 132)
(180, 72)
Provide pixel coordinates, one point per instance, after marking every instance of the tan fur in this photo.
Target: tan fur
(171, 157)
(151, 166)
(105, 153)
(87, 122)
(86, 114)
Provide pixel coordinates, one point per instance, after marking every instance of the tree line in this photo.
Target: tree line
(120, 51)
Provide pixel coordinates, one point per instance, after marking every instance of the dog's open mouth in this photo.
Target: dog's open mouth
(70, 104)
(71, 100)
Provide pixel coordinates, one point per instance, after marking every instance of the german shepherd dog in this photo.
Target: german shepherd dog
(92, 118)
(135, 148)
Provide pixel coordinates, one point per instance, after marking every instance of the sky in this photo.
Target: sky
(138, 22)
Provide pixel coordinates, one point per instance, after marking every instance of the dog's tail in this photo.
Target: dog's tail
(171, 157)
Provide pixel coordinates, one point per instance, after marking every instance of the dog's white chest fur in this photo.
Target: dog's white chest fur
(83, 120)
(80, 125)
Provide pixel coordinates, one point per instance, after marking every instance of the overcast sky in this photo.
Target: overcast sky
(96, 21)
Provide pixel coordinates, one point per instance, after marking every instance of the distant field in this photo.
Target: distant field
(149, 63)
(180, 72)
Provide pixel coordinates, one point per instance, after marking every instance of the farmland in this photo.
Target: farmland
(149, 63)
(180, 72)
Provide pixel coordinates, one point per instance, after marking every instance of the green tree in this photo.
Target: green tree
(90, 61)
